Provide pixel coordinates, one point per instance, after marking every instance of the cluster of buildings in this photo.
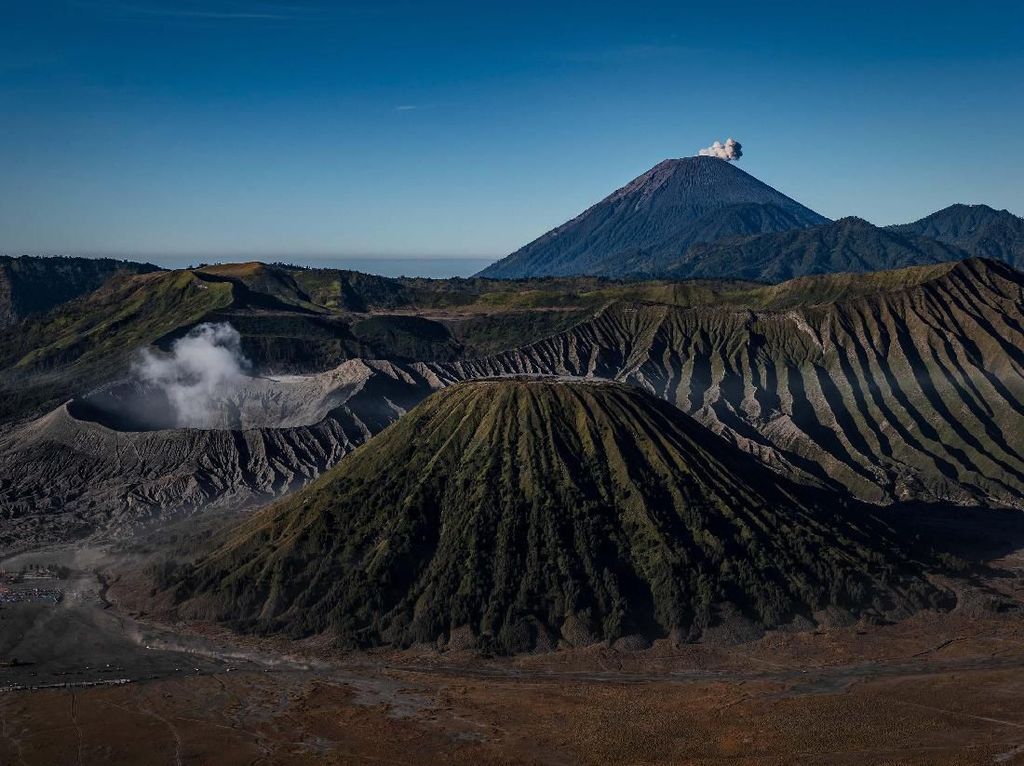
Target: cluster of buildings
(29, 586)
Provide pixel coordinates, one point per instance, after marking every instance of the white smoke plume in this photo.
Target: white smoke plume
(201, 369)
(730, 150)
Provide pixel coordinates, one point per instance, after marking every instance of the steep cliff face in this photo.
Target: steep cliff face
(519, 514)
(913, 390)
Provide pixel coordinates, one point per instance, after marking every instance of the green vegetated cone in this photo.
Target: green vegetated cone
(521, 514)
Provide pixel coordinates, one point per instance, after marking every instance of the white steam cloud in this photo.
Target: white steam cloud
(730, 150)
(200, 370)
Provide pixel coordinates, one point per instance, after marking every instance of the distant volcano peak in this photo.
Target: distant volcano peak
(696, 171)
(664, 210)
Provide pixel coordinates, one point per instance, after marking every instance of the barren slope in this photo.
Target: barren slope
(86, 467)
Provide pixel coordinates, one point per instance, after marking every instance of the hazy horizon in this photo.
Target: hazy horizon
(430, 266)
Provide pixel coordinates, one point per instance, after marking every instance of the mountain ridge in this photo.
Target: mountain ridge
(845, 245)
(32, 285)
(980, 230)
(901, 392)
(890, 386)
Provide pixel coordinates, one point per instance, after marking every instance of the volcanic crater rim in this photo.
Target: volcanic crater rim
(256, 402)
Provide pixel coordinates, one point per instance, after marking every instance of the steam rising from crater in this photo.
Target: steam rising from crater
(201, 369)
(730, 150)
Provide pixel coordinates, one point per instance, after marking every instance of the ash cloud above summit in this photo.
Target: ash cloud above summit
(731, 150)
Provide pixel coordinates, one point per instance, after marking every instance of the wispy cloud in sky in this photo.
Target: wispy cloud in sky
(414, 107)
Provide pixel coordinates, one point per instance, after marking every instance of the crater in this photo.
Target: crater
(292, 401)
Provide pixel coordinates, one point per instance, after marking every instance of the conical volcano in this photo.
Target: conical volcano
(658, 215)
(528, 513)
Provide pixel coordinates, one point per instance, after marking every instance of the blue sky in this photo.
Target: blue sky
(272, 129)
